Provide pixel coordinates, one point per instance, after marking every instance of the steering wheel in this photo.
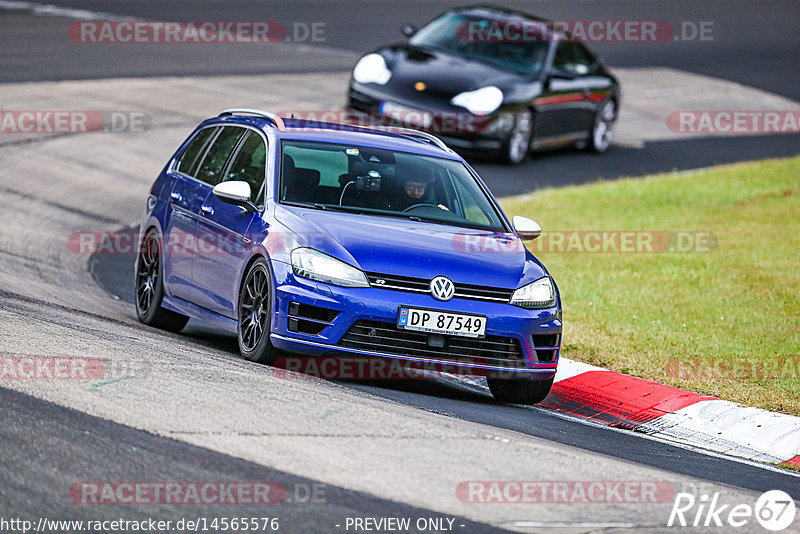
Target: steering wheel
(423, 204)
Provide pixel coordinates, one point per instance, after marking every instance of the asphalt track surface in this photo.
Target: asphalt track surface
(40, 435)
(48, 447)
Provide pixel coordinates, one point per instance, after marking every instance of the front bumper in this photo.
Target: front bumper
(532, 337)
(458, 128)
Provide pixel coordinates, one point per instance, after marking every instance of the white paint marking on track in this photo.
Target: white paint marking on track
(50, 10)
(569, 368)
(733, 429)
(545, 524)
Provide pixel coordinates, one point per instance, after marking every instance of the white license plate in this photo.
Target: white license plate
(441, 322)
(407, 116)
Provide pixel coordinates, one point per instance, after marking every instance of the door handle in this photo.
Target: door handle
(207, 210)
(175, 196)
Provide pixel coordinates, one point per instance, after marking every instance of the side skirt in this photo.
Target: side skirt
(196, 312)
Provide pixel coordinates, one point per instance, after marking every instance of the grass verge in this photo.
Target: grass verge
(714, 308)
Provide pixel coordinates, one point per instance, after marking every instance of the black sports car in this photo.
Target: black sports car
(490, 79)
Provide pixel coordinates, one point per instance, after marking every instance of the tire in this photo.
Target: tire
(255, 314)
(516, 147)
(602, 132)
(523, 389)
(149, 287)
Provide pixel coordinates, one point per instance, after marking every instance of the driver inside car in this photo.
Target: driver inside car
(415, 191)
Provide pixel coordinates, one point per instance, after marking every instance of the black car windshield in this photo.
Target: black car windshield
(383, 182)
(518, 45)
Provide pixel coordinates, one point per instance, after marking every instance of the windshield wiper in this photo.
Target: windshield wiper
(419, 218)
(325, 207)
(445, 222)
(334, 207)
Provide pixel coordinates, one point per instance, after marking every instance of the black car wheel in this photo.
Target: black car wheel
(522, 389)
(518, 143)
(255, 314)
(603, 131)
(150, 287)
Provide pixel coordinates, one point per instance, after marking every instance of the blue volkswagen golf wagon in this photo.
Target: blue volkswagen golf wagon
(329, 240)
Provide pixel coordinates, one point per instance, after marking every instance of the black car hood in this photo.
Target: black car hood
(444, 75)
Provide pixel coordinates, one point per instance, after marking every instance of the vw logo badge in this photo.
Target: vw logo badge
(442, 288)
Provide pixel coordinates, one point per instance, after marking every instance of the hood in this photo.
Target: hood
(444, 74)
(401, 247)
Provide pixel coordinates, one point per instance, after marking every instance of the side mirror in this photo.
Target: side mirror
(526, 228)
(408, 30)
(236, 193)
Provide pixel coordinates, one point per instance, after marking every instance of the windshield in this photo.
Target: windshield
(513, 44)
(384, 183)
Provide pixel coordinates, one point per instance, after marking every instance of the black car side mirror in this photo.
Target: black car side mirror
(408, 30)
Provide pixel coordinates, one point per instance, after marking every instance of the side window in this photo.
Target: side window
(249, 165)
(210, 170)
(584, 60)
(574, 58)
(188, 159)
(563, 57)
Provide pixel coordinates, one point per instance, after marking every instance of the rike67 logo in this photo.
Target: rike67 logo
(774, 510)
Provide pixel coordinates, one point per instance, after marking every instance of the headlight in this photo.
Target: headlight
(481, 101)
(309, 263)
(538, 294)
(372, 69)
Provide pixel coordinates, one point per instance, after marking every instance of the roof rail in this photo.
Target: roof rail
(274, 119)
(425, 136)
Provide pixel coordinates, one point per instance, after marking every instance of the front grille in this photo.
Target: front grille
(421, 285)
(386, 338)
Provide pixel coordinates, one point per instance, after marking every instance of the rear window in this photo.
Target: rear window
(213, 164)
(188, 160)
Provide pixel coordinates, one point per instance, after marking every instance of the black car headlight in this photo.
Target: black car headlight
(372, 69)
(538, 294)
(480, 101)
